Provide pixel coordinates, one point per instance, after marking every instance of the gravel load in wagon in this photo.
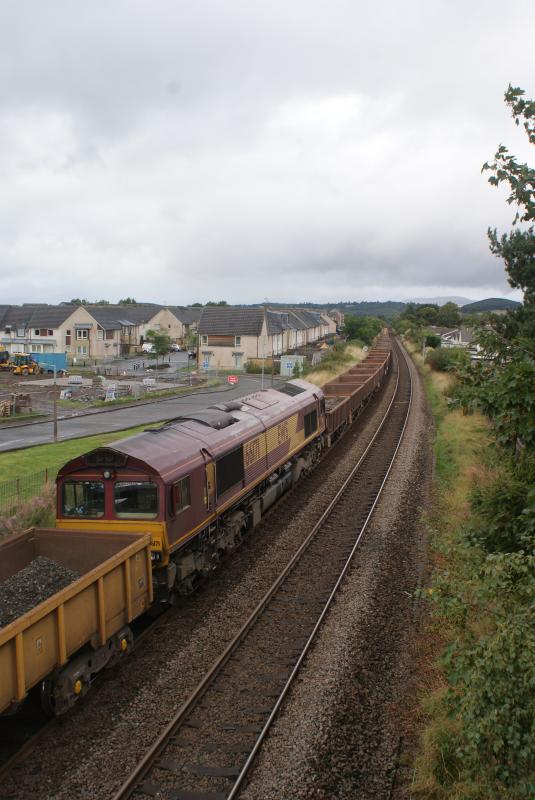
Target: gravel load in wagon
(67, 598)
(28, 587)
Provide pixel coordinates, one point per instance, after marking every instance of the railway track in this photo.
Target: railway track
(207, 750)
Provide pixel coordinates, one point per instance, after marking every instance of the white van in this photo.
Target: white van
(147, 347)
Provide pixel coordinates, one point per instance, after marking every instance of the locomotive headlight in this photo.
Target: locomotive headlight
(108, 474)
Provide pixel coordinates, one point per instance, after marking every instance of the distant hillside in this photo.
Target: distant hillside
(387, 310)
(440, 301)
(374, 308)
(492, 304)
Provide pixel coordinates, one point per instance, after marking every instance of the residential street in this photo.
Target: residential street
(118, 418)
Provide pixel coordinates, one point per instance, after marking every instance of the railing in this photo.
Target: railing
(19, 490)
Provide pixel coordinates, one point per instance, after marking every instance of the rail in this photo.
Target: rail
(166, 769)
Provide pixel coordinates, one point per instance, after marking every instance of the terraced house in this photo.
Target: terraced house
(230, 338)
(89, 331)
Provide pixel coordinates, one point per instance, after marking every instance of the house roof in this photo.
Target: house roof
(186, 315)
(459, 334)
(36, 315)
(229, 321)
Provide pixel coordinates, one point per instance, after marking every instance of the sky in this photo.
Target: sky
(289, 151)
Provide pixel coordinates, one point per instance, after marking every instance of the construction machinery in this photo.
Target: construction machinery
(23, 364)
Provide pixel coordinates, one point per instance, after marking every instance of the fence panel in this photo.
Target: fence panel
(20, 490)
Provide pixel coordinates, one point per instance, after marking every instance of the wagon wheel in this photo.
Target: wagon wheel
(47, 697)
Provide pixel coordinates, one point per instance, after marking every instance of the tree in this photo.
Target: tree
(127, 301)
(448, 315)
(363, 328)
(161, 343)
(517, 248)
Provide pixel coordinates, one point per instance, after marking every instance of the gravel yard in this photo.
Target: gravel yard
(94, 747)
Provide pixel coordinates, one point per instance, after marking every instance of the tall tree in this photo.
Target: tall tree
(517, 248)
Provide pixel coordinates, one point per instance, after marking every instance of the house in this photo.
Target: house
(337, 316)
(454, 337)
(42, 328)
(230, 337)
(89, 331)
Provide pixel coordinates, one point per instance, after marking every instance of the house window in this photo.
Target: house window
(180, 495)
(81, 350)
(82, 334)
(67, 339)
(36, 332)
(67, 348)
(237, 341)
(109, 334)
(100, 334)
(204, 339)
(21, 332)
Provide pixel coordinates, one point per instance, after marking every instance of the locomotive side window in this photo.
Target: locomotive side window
(134, 499)
(229, 470)
(181, 495)
(83, 499)
(311, 423)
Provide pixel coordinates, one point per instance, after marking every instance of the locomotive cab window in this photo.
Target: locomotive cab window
(135, 499)
(311, 423)
(180, 496)
(83, 499)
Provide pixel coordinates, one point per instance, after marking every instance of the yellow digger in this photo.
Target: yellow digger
(23, 364)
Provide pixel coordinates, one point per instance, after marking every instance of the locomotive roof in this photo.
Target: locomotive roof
(176, 447)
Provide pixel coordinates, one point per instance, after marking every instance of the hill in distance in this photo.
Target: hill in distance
(492, 304)
(440, 301)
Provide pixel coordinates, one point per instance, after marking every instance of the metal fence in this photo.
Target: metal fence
(20, 490)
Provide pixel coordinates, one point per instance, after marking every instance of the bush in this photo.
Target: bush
(447, 359)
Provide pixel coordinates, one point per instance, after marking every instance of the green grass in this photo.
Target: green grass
(17, 463)
(21, 418)
(461, 447)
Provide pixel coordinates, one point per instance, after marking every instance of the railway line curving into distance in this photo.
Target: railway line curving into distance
(209, 747)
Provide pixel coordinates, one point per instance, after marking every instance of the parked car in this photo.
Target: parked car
(147, 347)
(174, 348)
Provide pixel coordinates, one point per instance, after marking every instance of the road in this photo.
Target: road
(116, 419)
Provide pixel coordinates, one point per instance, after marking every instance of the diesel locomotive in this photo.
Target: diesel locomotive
(142, 521)
(201, 481)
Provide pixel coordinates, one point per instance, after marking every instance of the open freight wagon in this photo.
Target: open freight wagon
(71, 635)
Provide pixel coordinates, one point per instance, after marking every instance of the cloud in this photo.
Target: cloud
(180, 152)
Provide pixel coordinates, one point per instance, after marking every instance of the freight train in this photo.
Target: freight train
(198, 484)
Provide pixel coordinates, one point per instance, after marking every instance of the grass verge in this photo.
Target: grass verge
(461, 446)
(18, 463)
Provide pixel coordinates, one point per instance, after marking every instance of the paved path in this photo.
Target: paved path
(14, 438)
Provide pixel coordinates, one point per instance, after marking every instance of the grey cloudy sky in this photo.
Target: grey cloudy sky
(292, 149)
